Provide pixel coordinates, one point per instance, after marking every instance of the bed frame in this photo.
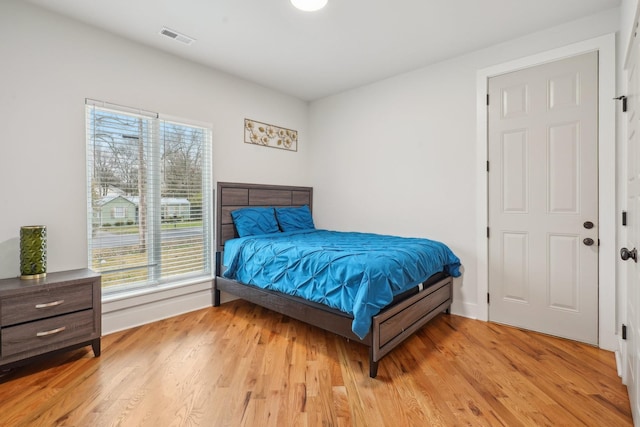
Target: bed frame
(389, 328)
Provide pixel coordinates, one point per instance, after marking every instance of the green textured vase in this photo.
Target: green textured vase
(33, 252)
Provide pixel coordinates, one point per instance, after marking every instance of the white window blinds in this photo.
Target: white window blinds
(149, 197)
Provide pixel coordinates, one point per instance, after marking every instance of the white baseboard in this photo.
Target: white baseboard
(618, 363)
(135, 310)
(621, 359)
(464, 309)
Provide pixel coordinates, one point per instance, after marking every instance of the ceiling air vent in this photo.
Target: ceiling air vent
(176, 36)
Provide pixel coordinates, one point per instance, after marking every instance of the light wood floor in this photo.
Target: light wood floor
(239, 364)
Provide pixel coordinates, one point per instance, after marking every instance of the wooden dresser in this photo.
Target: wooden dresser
(57, 313)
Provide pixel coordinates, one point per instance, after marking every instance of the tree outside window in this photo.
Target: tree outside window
(149, 197)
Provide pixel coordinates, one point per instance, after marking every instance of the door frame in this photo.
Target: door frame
(607, 207)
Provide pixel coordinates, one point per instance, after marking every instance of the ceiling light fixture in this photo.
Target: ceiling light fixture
(309, 5)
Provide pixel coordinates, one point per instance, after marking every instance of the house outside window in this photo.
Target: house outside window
(149, 198)
(119, 212)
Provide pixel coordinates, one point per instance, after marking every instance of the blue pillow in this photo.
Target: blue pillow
(292, 219)
(252, 221)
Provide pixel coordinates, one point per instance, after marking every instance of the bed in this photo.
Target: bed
(386, 328)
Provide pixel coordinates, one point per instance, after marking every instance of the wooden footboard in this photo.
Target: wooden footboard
(389, 328)
(393, 325)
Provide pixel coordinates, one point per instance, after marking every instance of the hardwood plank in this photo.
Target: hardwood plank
(240, 364)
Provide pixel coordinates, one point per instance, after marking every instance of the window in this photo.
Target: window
(148, 196)
(119, 212)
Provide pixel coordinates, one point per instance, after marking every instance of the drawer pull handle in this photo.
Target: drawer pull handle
(50, 304)
(51, 332)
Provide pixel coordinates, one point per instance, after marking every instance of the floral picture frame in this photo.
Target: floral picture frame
(267, 135)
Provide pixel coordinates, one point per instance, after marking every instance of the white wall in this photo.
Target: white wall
(404, 152)
(50, 64)
(628, 12)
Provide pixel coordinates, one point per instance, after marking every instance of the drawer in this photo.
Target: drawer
(47, 334)
(46, 303)
(398, 323)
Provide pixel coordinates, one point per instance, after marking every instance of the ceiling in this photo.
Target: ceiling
(312, 55)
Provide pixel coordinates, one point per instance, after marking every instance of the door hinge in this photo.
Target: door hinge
(624, 332)
(624, 217)
(487, 165)
(487, 99)
(624, 102)
(487, 232)
(488, 298)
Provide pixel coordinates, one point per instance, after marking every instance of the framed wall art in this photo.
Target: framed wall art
(267, 135)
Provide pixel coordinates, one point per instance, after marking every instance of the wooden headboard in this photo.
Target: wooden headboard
(233, 195)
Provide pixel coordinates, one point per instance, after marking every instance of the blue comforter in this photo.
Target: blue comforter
(357, 273)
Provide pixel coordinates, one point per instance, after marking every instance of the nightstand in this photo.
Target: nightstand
(59, 312)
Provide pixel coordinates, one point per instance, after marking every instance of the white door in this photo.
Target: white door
(543, 198)
(632, 375)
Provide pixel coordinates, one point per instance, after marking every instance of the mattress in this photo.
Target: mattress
(356, 273)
